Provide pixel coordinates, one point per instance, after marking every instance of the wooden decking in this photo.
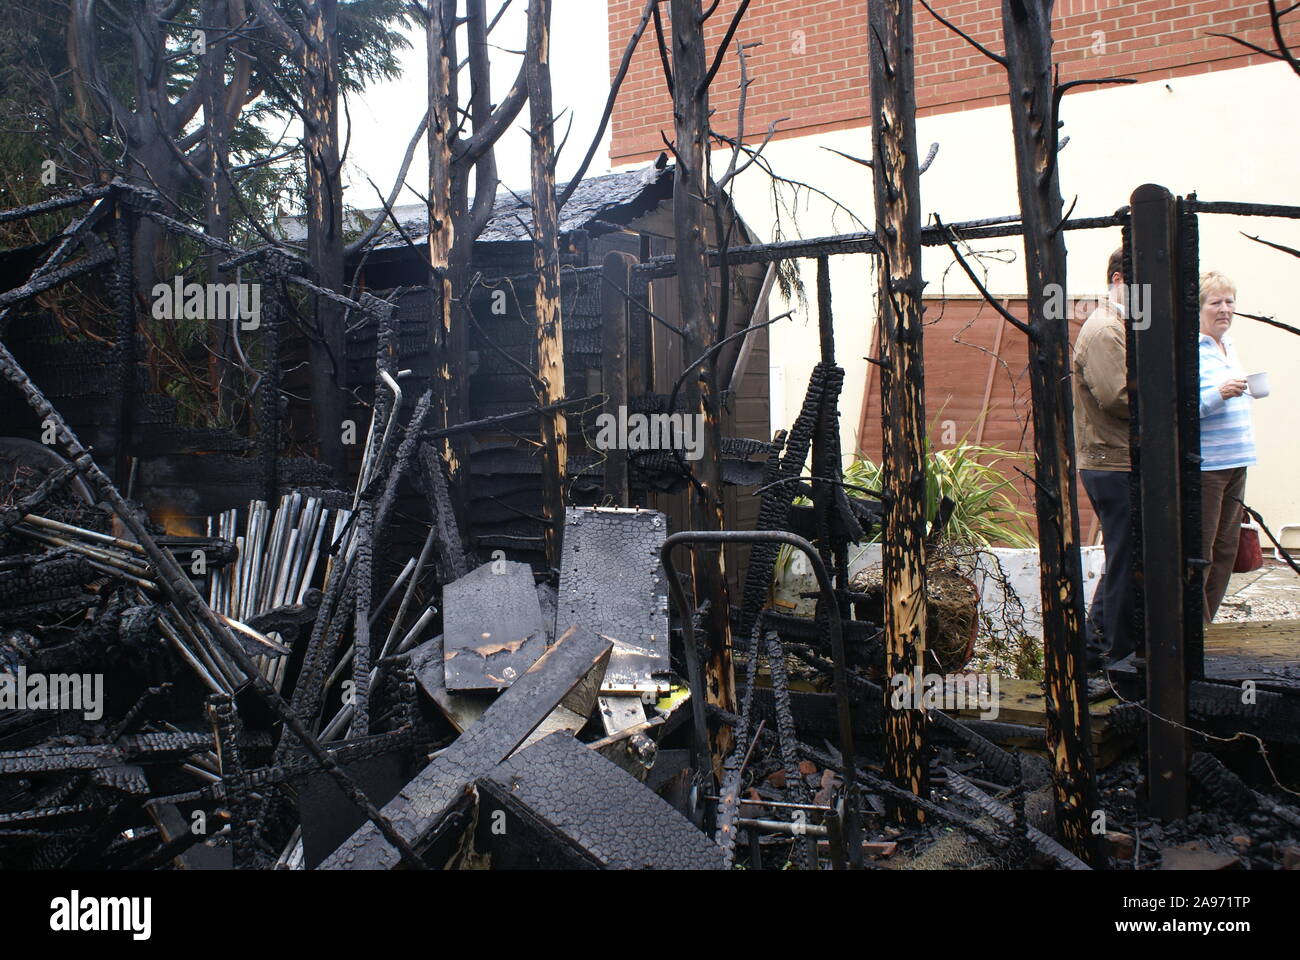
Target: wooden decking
(1022, 719)
(1266, 651)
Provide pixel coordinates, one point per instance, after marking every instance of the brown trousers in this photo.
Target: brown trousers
(1220, 530)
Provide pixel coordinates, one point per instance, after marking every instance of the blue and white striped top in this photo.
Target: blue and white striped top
(1227, 433)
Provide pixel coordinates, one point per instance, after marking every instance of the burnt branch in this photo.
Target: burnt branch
(996, 58)
(1006, 314)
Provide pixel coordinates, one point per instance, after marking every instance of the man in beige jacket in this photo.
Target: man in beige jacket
(1101, 437)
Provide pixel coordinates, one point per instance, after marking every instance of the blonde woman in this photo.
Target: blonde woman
(1227, 437)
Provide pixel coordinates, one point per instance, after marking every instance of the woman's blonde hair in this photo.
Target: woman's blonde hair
(1213, 282)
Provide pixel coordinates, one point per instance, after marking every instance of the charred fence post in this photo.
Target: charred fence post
(698, 321)
(902, 386)
(617, 273)
(546, 264)
(1156, 368)
(1027, 29)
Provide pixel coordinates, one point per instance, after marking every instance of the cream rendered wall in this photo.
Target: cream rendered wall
(1229, 135)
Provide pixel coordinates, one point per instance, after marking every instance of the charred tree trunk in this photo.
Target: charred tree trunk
(152, 126)
(695, 300)
(325, 224)
(1027, 28)
(448, 379)
(219, 121)
(546, 264)
(902, 390)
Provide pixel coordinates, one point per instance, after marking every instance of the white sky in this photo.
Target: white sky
(385, 116)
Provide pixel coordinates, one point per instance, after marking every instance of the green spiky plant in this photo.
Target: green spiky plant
(977, 479)
(969, 475)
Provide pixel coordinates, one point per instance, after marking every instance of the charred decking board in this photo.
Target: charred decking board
(611, 582)
(569, 672)
(561, 794)
(492, 627)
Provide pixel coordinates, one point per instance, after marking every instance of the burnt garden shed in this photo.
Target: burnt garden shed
(618, 350)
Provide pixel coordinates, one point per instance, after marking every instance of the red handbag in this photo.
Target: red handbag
(1249, 555)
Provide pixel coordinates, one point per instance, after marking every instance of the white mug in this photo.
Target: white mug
(1257, 385)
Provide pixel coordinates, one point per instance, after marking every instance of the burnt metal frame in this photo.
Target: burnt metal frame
(844, 709)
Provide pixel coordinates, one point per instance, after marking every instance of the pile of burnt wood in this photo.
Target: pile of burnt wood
(492, 721)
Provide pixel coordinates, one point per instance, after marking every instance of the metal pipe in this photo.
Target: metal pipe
(780, 826)
(253, 635)
(85, 534)
(309, 570)
(425, 552)
(396, 389)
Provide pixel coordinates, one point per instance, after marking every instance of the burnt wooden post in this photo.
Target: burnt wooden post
(616, 276)
(546, 264)
(640, 331)
(122, 234)
(1155, 367)
(698, 321)
(1027, 28)
(902, 387)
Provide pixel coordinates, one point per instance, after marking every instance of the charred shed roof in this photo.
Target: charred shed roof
(598, 205)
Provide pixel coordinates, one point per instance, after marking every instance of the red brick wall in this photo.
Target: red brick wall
(811, 70)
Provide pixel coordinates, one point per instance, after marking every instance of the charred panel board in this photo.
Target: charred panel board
(611, 582)
(462, 710)
(582, 804)
(328, 817)
(417, 810)
(492, 626)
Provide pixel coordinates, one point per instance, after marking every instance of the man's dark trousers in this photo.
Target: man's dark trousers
(1109, 492)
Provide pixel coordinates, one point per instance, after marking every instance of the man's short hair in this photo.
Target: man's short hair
(1214, 282)
(1115, 265)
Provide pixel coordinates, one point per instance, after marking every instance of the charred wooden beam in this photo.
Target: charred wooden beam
(896, 169)
(420, 808)
(122, 229)
(562, 797)
(1027, 28)
(660, 268)
(553, 428)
